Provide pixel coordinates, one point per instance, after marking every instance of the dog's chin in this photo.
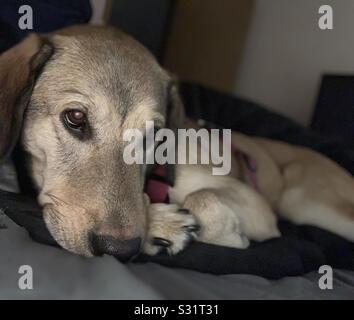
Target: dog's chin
(74, 243)
(79, 250)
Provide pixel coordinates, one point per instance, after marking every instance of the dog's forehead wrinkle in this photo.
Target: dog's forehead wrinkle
(109, 57)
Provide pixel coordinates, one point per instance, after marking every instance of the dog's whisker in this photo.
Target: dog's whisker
(54, 215)
(58, 201)
(56, 198)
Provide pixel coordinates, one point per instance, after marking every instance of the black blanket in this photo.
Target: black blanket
(300, 249)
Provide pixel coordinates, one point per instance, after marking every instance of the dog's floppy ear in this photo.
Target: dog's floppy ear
(18, 69)
(175, 115)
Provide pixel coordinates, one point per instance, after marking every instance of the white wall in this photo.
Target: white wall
(286, 53)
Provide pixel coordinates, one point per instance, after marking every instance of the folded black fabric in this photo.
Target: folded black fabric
(299, 250)
(25, 212)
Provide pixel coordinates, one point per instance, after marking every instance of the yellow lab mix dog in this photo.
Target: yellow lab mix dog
(67, 99)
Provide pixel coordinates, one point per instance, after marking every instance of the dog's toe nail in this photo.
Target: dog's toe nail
(184, 211)
(162, 242)
(193, 228)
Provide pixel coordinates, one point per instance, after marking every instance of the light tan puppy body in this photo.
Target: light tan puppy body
(316, 190)
(225, 207)
(299, 184)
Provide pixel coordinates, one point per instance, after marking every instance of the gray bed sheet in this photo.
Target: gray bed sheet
(58, 274)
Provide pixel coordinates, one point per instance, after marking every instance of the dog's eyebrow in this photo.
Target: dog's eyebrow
(77, 92)
(74, 91)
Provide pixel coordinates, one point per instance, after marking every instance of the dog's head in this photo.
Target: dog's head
(69, 97)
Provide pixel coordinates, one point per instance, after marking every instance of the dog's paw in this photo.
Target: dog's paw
(170, 228)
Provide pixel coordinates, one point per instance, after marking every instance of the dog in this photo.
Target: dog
(67, 97)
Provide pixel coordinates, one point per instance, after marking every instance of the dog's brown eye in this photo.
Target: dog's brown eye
(75, 119)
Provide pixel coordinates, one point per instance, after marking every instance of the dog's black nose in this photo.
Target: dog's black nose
(123, 250)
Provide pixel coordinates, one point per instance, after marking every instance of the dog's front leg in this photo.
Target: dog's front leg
(205, 216)
(220, 222)
(170, 228)
(227, 217)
